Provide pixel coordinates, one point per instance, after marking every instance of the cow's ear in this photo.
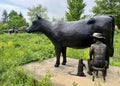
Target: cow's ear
(91, 21)
(38, 17)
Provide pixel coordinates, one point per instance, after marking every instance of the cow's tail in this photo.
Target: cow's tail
(113, 29)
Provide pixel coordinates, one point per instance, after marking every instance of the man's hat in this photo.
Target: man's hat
(98, 35)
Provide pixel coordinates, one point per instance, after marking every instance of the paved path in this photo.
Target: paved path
(61, 77)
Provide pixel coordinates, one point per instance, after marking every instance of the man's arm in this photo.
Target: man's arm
(91, 51)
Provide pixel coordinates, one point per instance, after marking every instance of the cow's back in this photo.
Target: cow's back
(75, 34)
(78, 33)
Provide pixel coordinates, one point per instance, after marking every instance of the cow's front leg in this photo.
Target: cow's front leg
(64, 55)
(58, 52)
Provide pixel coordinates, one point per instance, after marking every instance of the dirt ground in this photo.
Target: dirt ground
(61, 76)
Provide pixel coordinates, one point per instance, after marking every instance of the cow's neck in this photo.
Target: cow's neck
(48, 31)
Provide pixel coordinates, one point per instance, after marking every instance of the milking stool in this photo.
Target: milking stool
(96, 69)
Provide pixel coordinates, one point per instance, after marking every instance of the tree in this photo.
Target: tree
(75, 9)
(21, 15)
(17, 21)
(37, 10)
(12, 13)
(4, 17)
(108, 7)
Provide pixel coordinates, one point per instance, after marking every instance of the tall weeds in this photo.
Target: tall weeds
(19, 49)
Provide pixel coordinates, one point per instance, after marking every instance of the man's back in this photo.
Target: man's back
(99, 49)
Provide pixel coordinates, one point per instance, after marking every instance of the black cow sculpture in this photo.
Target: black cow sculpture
(75, 34)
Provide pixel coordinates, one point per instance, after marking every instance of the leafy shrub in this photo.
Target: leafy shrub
(45, 81)
(18, 77)
(3, 26)
(17, 21)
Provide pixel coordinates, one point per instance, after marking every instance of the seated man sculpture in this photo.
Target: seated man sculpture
(97, 53)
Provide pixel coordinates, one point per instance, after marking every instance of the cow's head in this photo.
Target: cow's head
(37, 25)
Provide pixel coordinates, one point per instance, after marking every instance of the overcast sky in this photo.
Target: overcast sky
(55, 8)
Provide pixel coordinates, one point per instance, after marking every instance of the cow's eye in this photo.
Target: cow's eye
(34, 22)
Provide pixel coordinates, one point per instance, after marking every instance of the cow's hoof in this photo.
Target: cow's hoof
(64, 63)
(56, 65)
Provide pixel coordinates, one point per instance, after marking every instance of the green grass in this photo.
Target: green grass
(19, 49)
(115, 60)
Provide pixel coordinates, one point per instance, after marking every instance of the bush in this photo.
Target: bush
(3, 26)
(16, 76)
(17, 21)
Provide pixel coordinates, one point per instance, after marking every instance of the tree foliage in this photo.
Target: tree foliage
(75, 9)
(12, 19)
(17, 21)
(12, 14)
(37, 10)
(21, 15)
(108, 7)
(3, 26)
(4, 17)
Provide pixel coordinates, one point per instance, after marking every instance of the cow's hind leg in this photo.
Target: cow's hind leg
(64, 55)
(107, 59)
(96, 73)
(58, 52)
(103, 72)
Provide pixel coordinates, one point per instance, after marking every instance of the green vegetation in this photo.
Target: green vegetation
(17, 21)
(11, 19)
(19, 49)
(37, 10)
(75, 10)
(3, 26)
(115, 60)
(104, 7)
